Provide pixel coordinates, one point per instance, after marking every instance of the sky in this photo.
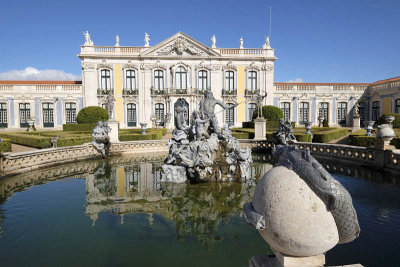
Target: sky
(314, 40)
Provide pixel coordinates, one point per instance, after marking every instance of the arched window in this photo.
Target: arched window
(341, 112)
(130, 80)
(229, 80)
(252, 80)
(230, 114)
(159, 113)
(24, 114)
(70, 112)
(303, 112)
(180, 78)
(397, 106)
(159, 79)
(131, 115)
(48, 115)
(324, 110)
(376, 110)
(251, 109)
(202, 80)
(3, 115)
(285, 107)
(105, 79)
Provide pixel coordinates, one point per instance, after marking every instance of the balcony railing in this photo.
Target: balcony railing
(158, 91)
(174, 91)
(251, 92)
(130, 92)
(101, 91)
(229, 92)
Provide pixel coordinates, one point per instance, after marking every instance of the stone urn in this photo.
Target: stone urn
(369, 127)
(308, 127)
(143, 127)
(384, 135)
(31, 123)
(321, 121)
(389, 120)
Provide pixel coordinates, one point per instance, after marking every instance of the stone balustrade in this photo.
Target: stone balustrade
(41, 88)
(323, 87)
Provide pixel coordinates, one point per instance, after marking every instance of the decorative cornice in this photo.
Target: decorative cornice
(88, 66)
(156, 65)
(229, 66)
(131, 99)
(252, 66)
(104, 65)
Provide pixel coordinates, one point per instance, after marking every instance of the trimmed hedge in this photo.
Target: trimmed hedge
(82, 127)
(5, 146)
(136, 137)
(271, 113)
(326, 136)
(92, 114)
(359, 138)
(271, 125)
(396, 122)
(73, 141)
(28, 140)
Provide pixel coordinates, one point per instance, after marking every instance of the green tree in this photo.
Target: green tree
(92, 114)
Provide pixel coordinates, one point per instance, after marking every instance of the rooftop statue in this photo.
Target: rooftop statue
(146, 40)
(213, 41)
(117, 40)
(88, 41)
(241, 43)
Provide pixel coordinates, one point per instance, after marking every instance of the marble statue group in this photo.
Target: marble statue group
(202, 151)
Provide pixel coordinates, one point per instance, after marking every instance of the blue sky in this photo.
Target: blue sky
(315, 40)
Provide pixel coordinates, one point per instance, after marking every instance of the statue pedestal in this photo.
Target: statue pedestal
(281, 260)
(356, 124)
(113, 124)
(260, 129)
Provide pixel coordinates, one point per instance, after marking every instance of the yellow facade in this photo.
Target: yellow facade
(240, 99)
(119, 116)
(387, 105)
(120, 182)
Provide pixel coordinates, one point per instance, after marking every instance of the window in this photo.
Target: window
(252, 80)
(252, 108)
(24, 114)
(397, 106)
(202, 80)
(48, 118)
(159, 113)
(361, 110)
(376, 108)
(285, 107)
(158, 79)
(180, 78)
(130, 80)
(105, 80)
(229, 80)
(324, 110)
(230, 114)
(3, 115)
(131, 115)
(341, 112)
(70, 112)
(303, 112)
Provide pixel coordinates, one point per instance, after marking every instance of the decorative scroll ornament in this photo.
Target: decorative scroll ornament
(131, 99)
(252, 66)
(202, 65)
(215, 67)
(129, 65)
(104, 65)
(179, 46)
(230, 66)
(230, 99)
(88, 66)
(267, 67)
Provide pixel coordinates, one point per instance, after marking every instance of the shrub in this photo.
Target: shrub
(271, 113)
(5, 146)
(82, 127)
(28, 140)
(92, 114)
(325, 123)
(396, 122)
(326, 136)
(303, 137)
(242, 135)
(73, 141)
(271, 125)
(136, 137)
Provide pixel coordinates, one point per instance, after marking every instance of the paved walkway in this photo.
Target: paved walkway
(18, 148)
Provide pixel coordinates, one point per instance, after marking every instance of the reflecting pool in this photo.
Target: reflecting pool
(117, 213)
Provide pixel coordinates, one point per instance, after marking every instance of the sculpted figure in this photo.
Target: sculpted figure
(207, 108)
(198, 126)
(146, 39)
(356, 111)
(87, 38)
(110, 106)
(284, 135)
(180, 120)
(213, 41)
(101, 140)
(241, 43)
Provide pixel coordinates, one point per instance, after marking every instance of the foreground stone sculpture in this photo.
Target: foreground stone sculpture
(101, 139)
(385, 134)
(201, 151)
(299, 208)
(284, 135)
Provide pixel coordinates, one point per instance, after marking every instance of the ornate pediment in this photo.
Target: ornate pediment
(229, 66)
(104, 65)
(180, 45)
(252, 66)
(129, 65)
(203, 66)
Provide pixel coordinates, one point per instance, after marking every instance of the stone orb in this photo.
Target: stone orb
(297, 222)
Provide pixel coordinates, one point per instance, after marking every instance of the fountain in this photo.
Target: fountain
(201, 151)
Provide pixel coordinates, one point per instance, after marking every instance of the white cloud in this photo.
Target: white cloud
(33, 74)
(297, 80)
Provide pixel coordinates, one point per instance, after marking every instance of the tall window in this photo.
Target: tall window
(24, 114)
(131, 115)
(376, 110)
(341, 112)
(158, 79)
(303, 112)
(159, 113)
(3, 115)
(397, 106)
(70, 112)
(202, 80)
(252, 80)
(130, 80)
(48, 115)
(105, 80)
(361, 110)
(180, 78)
(324, 110)
(252, 108)
(230, 114)
(285, 107)
(229, 80)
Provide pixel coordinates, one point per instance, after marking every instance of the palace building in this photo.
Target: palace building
(149, 82)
